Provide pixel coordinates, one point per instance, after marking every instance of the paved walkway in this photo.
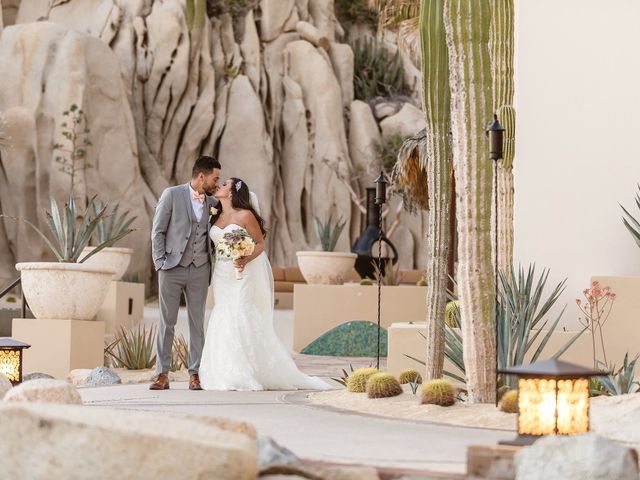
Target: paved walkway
(312, 432)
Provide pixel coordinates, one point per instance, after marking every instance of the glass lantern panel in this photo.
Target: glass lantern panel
(10, 364)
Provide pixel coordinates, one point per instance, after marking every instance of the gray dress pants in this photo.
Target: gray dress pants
(194, 281)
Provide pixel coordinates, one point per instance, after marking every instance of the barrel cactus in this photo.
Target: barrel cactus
(509, 402)
(383, 385)
(438, 392)
(408, 376)
(357, 381)
(452, 314)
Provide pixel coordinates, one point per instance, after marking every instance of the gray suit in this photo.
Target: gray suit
(181, 252)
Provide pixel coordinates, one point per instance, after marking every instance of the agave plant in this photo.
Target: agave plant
(391, 275)
(110, 225)
(632, 223)
(133, 350)
(328, 233)
(71, 233)
(179, 354)
(522, 318)
(620, 381)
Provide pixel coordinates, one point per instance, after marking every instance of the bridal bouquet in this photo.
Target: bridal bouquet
(235, 245)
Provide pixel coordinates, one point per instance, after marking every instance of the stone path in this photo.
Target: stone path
(314, 433)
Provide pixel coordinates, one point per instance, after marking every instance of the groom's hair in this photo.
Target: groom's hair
(205, 165)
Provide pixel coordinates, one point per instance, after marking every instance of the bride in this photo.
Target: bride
(241, 350)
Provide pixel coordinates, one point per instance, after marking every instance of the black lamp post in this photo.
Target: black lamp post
(495, 132)
(381, 199)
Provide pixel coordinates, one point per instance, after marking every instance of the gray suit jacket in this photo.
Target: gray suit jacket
(172, 226)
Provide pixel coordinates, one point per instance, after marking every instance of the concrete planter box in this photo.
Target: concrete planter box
(319, 308)
(69, 291)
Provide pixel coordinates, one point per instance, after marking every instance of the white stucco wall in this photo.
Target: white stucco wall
(578, 138)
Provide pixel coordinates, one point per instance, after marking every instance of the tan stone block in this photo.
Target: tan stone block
(59, 346)
(122, 307)
(319, 308)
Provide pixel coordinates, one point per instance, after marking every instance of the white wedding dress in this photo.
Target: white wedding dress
(241, 349)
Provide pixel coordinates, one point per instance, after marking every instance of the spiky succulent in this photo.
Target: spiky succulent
(438, 392)
(509, 402)
(408, 376)
(357, 381)
(383, 385)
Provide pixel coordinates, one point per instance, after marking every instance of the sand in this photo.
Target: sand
(407, 406)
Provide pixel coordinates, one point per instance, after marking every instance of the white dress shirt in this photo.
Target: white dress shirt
(198, 207)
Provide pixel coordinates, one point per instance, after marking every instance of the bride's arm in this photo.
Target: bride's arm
(251, 226)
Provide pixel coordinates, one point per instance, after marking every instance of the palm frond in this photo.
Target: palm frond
(409, 177)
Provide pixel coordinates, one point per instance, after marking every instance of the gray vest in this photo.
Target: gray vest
(196, 249)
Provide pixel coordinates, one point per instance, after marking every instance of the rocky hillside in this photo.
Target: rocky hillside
(266, 86)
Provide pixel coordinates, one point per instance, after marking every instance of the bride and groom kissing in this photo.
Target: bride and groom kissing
(240, 350)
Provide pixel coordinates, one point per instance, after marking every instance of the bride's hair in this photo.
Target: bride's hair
(241, 200)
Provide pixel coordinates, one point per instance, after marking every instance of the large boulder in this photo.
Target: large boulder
(5, 385)
(46, 69)
(577, 457)
(53, 441)
(44, 391)
(245, 147)
(327, 164)
(408, 121)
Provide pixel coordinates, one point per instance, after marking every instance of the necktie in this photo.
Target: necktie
(198, 196)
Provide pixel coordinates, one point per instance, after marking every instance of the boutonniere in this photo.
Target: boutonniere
(213, 211)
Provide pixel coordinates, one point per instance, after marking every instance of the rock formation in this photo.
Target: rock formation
(268, 91)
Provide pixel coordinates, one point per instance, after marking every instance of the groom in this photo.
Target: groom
(181, 252)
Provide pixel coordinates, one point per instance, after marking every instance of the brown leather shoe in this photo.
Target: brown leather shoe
(161, 383)
(194, 382)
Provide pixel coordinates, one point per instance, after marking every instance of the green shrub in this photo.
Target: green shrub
(377, 72)
(387, 150)
(366, 281)
(357, 12)
(408, 376)
(357, 381)
(509, 402)
(438, 392)
(383, 385)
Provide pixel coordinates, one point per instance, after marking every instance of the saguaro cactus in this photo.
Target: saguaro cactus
(436, 97)
(501, 44)
(467, 25)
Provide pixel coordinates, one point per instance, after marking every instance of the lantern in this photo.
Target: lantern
(553, 399)
(381, 189)
(11, 359)
(495, 133)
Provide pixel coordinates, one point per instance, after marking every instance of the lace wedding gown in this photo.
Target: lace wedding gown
(241, 350)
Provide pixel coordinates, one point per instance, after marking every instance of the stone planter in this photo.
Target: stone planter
(328, 268)
(68, 291)
(118, 258)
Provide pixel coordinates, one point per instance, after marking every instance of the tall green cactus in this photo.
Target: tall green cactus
(467, 24)
(501, 45)
(436, 97)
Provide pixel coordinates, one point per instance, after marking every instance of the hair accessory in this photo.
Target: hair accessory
(238, 185)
